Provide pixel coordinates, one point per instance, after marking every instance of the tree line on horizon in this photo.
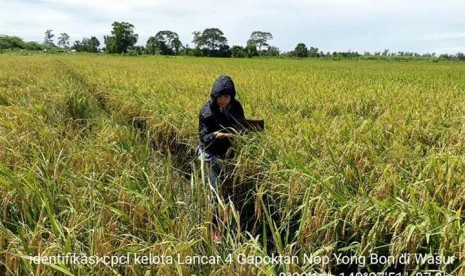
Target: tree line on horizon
(211, 42)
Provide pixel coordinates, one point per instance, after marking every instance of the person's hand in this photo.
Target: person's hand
(221, 135)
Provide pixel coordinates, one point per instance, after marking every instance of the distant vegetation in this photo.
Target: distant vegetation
(210, 42)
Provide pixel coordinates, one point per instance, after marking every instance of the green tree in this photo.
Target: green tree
(110, 44)
(168, 42)
(152, 45)
(137, 51)
(164, 43)
(223, 51)
(63, 40)
(77, 45)
(48, 39)
(260, 39)
(176, 45)
(11, 42)
(186, 50)
(272, 51)
(300, 50)
(212, 42)
(238, 52)
(313, 52)
(92, 44)
(87, 45)
(460, 56)
(251, 49)
(122, 38)
(34, 46)
(197, 39)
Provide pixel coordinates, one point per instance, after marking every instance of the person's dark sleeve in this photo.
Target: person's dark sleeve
(206, 135)
(239, 118)
(240, 112)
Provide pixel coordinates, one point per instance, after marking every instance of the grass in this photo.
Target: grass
(358, 157)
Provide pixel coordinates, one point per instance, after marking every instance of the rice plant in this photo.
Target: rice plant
(358, 158)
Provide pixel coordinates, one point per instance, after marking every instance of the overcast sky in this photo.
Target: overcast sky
(331, 25)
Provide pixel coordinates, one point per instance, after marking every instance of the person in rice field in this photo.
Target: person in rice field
(219, 118)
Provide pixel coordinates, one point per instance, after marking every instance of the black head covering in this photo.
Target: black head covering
(223, 85)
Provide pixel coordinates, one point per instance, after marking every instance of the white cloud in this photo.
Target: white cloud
(331, 25)
(443, 36)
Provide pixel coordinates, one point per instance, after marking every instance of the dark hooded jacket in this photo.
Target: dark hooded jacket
(212, 119)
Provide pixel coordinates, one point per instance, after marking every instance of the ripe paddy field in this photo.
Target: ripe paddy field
(361, 167)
